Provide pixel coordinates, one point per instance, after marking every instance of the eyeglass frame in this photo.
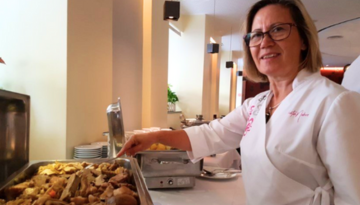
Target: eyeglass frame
(247, 40)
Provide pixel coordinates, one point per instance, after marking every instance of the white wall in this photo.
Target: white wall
(187, 73)
(225, 83)
(127, 60)
(210, 100)
(33, 41)
(89, 79)
(233, 89)
(193, 72)
(175, 60)
(239, 82)
(155, 65)
(60, 53)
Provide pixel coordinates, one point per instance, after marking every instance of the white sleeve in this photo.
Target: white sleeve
(219, 135)
(339, 147)
(351, 76)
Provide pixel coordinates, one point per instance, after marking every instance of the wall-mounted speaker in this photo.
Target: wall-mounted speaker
(229, 64)
(172, 10)
(212, 48)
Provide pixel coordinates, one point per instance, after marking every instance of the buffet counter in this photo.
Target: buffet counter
(205, 192)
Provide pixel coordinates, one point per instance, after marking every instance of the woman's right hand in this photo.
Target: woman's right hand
(138, 143)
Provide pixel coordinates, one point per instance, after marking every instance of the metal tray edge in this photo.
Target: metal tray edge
(145, 197)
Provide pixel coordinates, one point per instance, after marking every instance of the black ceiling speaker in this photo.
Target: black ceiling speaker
(172, 10)
(229, 64)
(212, 48)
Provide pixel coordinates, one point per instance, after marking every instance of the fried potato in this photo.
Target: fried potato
(159, 147)
(60, 168)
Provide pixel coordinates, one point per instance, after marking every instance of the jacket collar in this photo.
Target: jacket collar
(302, 76)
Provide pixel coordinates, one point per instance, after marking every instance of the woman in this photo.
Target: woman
(299, 140)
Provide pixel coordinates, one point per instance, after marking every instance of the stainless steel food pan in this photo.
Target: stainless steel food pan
(129, 163)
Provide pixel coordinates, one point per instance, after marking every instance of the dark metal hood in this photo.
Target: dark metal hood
(14, 132)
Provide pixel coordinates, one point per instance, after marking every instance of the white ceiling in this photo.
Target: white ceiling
(336, 52)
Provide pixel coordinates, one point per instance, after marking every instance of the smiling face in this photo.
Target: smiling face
(276, 59)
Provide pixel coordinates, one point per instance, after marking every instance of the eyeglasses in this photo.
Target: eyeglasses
(276, 33)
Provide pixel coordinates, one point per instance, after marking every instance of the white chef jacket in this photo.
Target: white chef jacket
(307, 153)
(351, 79)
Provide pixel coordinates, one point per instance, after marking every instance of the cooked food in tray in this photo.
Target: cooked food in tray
(71, 183)
(159, 147)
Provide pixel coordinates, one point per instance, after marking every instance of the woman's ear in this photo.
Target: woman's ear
(303, 46)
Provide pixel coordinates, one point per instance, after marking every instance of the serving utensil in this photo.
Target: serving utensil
(92, 164)
(216, 171)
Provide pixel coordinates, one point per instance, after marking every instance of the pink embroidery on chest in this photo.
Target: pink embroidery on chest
(254, 110)
(248, 126)
(250, 121)
(251, 110)
(298, 114)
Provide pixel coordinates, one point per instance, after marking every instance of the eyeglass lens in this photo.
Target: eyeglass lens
(277, 33)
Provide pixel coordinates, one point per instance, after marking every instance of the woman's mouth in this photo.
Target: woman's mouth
(269, 56)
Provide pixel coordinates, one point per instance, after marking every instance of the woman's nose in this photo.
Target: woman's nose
(267, 41)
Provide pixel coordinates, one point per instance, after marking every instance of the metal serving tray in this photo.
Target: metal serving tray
(167, 163)
(129, 163)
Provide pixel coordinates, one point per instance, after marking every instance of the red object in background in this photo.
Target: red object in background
(2, 61)
(251, 89)
(335, 75)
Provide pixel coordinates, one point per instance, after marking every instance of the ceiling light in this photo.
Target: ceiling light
(171, 10)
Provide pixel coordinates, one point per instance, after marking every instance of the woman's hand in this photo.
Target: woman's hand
(138, 143)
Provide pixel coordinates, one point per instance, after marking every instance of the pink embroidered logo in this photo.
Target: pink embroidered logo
(249, 122)
(298, 114)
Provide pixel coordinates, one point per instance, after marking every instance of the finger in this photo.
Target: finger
(135, 149)
(126, 146)
(121, 153)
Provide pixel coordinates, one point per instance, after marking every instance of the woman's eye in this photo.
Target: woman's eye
(256, 35)
(277, 29)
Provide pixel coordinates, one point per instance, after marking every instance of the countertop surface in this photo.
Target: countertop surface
(206, 191)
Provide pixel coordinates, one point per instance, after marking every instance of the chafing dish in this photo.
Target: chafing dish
(184, 123)
(14, 132)
(14, 146)
(168, 169)
(161, 169)
(129, 163)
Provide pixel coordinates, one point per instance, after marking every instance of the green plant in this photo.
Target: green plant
(172, 97)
